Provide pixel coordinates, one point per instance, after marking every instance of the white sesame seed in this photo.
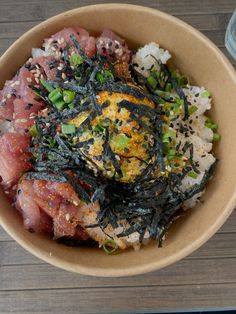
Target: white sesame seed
(29, 79)
(36, 80)
(63, 76)
(17, 82)
(8, 96)
(67, 217)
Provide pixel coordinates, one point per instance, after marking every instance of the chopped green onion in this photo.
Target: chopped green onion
(182, 81)
(68, 96)
(60, 105)
(110, 246)
(50, 142)
(216, 137)
(192, 109)
(152, 82)
(68, 128)
(193, 174)
(119, 141)
(100, 77)
(210, 124)
(76, 59)
(71, 105)
(168, 87)
(47, 85)
(167, 135)
(104, 76)
(205, 94)
(33, 130)
(55, 95)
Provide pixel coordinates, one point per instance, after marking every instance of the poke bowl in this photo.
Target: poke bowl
(105, 141)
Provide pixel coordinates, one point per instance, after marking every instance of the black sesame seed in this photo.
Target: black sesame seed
(126, 150)
(142, 68)
(116, 121)
(197, 94)
(117, 46)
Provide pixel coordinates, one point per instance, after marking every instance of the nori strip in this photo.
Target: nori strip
(45, 176)
(81, 52)
(78, 188)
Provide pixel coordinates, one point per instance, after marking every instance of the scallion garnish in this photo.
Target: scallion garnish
(33, 130)
(193, 174)
(192, 109)
(110, 246)
(152, 82)
(76, 59)
(68, 96)
(68, 128)
(55, 95)
(205, 94)
(216, 137)
(47, 85)
(210, 124)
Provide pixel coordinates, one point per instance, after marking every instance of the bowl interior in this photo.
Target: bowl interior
(195, 56)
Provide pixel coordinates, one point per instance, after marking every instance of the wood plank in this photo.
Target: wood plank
(33, 10)
(220, 246)
(204, 22)
(186, 272)
(119, 300)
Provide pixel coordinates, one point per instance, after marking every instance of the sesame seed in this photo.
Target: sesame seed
(29, 79)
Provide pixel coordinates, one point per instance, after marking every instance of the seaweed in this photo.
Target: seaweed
(45, 176)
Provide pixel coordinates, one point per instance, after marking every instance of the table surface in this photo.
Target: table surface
(204, 280)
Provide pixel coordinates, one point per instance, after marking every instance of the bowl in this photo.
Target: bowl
(194, 55)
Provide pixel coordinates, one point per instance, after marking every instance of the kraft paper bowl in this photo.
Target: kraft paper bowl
(194, 55)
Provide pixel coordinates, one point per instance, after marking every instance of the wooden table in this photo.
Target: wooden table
(204, 280)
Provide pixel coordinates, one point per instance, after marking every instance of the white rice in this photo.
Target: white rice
(146, 58)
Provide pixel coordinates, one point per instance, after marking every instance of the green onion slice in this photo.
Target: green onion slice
(68, 128)
(110, 246)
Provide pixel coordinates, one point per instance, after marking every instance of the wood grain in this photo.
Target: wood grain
(205, 279)
(118, 299)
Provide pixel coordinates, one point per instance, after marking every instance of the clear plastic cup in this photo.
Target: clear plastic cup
(230, 36)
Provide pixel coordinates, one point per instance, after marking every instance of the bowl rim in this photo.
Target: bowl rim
(171, 259)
